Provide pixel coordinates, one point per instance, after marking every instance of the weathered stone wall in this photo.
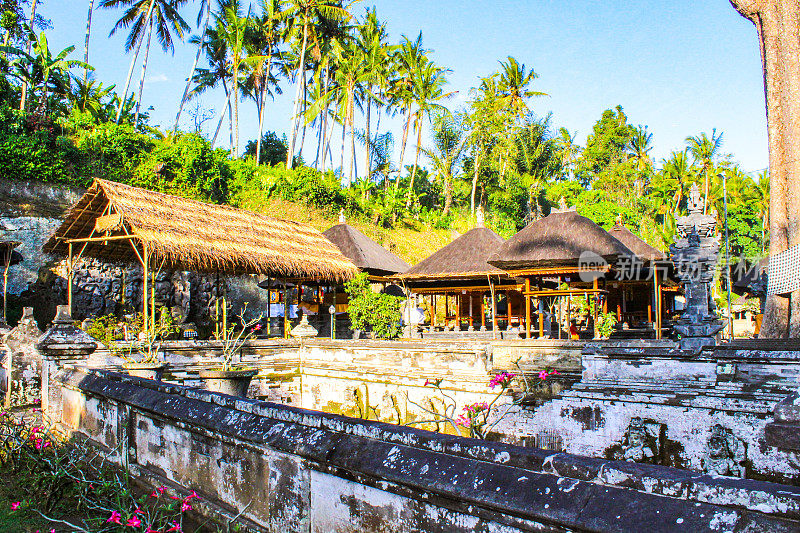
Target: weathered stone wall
(705, 413)
(284, 469)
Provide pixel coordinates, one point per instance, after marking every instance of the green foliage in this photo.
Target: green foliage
(371, 310)
(745, 229)
(605, 324)
(605, 147)
(273, 149)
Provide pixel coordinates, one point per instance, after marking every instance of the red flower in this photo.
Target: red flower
(175, 527)
(185, 507)
(134, 522)
(15, 506)
(191, 495)
(115, 518)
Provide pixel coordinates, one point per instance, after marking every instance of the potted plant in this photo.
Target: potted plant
(143, 357)
(232, 378)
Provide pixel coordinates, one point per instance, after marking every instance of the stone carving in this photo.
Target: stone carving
(695, 256)
(725, 453)
(23, 361)
(640, 443)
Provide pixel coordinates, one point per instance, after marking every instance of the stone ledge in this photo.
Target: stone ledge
(363, 447)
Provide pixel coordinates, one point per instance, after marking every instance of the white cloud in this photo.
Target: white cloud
(156, 78)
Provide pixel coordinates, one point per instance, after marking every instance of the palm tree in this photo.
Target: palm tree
(232, 28)
(677, 168)
(485, 124)
(303, 13)
(568, 150)
(373, 55)
(32, 22)
(268, 33)
(90, 96)
(144, 16)
(429, 81)
(447, 151)
(513, 86)
(407, 60)
(41, 68)
(704, 151)
(88, 33)
(216, 74)
(205, 13)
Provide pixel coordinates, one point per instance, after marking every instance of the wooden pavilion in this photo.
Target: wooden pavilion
(572, 251)
(459, 272)
(120, 223)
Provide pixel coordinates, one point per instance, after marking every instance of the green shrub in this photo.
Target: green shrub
(370, 310)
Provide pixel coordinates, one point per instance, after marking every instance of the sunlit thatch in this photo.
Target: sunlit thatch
(191, 235)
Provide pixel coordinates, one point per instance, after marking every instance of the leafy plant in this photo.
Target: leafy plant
(605, 324)
(232, 342)
(370, 310)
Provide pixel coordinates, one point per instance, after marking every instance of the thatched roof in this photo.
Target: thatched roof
(365, 253)
(192, 235)
(557, 240)
(465, 257)
(643, 251)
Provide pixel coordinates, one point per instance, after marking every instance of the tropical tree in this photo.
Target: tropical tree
(86, 45)
(513, 86)
(304, 13)
(446, 152)
(91, 97)
(143, 17)
(705, 151)
(406, 61)
(42, 69)
(205, 14)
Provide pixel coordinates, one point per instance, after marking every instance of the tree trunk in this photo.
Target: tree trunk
(221, 117)
(144, 70)
(344, 136)
(86, 46)
(475, 182)
(194, 65)
(368, 166)
(133, 63)
(403, 147)
(448, 195)
(416, 160)
(295, 117)
(24, 95)
(263, 105)
(778, 26)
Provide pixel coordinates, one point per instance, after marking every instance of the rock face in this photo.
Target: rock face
(23, 361)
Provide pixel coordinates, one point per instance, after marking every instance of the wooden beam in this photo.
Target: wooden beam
(101, 239)
(527, 308)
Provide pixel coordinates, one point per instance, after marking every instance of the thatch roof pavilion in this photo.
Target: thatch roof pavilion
(637, 245)
(574, 250)
(554, 244)
(366, 254)
(117, 222)
(459, 269)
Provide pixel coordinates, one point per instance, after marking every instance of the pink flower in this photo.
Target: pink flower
(37, 400)
(191, 495)
(175, 527)
(134, 522)
(15, 506)
(158, 492)
(115, 518)
(257, 327)
(39, 444)
(554, 372)
(151, 530)
(503, 379)
(543, 374)
(185, 507)
(138, 511)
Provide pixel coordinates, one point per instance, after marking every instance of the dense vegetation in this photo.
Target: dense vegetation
(59, 124)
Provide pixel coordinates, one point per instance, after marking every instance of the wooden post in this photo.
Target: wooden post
(657, 296)
(269, 306)
(527, 308)
(285, 309)
(494, 309)
(471, 322)
(594, 306)
(508, 307)
(446, 310)
(458, 311)
(483, 312)
(146, 269)
(69, 281)
(333, 316)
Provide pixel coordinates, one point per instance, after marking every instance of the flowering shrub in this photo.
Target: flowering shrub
(63, 477)
(479, 418)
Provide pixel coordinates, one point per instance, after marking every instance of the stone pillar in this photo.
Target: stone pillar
(695, 255)
(60, 345)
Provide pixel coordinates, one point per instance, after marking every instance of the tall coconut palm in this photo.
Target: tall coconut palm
(446, 152)
(407, 59)
(86, 45)
(705, 151)
(429, 81)
(217, 73)
(513, 86)
(304, 13)
(205, 14)
(143, 17)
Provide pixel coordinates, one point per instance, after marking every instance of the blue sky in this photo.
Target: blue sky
(678, 67)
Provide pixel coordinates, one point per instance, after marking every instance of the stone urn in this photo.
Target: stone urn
(154, 371)
(232, 382)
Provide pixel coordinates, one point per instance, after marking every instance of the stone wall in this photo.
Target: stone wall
(283, 469)
(706, 413)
